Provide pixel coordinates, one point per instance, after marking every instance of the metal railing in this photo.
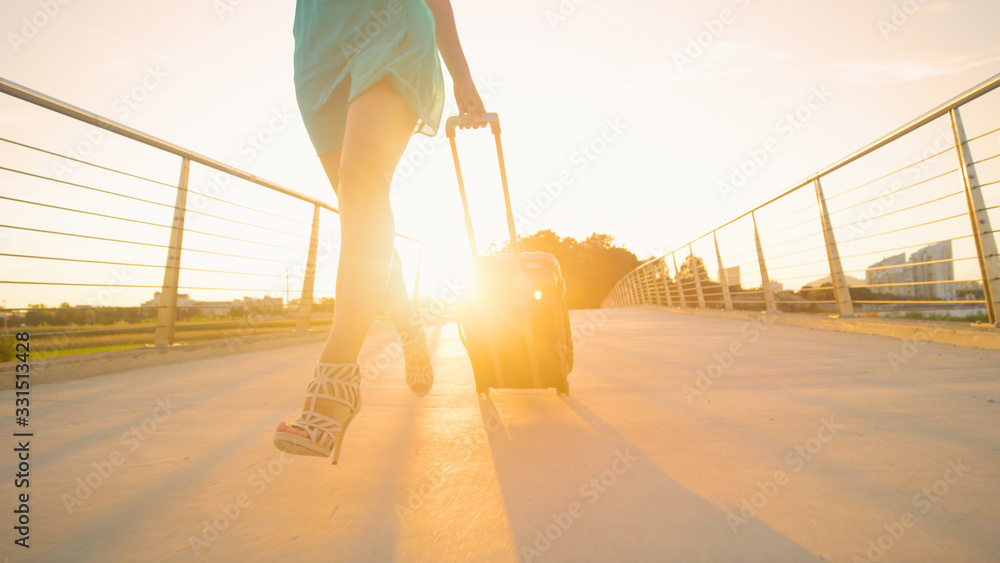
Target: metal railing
(137, 223)
(937, 206)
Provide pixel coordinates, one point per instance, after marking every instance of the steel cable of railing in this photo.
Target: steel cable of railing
(914, 283)
(980, 161)
(894, 192)
(779, 268)
(157, 203)
(909, 227)
(134, 286)
(158, 266)
(159, 225)
(773, 245)
(787, 216)
(813, 221)
(151, 180)
(91, 164)
(893, 212)
(894, 172)
(909, 265)
(186, 249)
(814, 249)
(980, 136)
(907, 247)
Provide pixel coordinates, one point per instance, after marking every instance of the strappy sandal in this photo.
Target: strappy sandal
(419, 373)
(338, 383)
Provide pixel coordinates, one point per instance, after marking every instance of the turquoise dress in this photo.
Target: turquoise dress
(343, 47)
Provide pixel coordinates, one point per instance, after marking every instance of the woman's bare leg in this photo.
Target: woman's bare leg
(396, 302)
(378, 129)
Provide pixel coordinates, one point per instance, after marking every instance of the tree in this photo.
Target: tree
(690, 265)
(591, 267)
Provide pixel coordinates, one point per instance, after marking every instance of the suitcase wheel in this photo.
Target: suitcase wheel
(482, 389)
(563, 389)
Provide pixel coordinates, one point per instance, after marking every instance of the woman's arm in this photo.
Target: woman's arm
(450, 47)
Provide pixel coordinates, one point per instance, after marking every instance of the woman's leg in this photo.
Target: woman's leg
(378, 129)
(396, 302)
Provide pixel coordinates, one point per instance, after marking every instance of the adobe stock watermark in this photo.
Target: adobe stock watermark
(922, 502)
(712, 29)
(227, 513)
(376, 22)
(918, 165)
(900, 16)
(587, 329)
(223, 8)
(785, 128)
(585, 155)
(722, 361)
(32, 25)
(422, 148)
(910, 348)
(564, 10)
(132, 439)
(430, 487)
(591, 492)
(250, 148)
(121, 107)
(424, 316)
(796, 460)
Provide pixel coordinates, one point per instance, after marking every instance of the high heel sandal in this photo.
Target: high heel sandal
(419, 373)
(338, 383)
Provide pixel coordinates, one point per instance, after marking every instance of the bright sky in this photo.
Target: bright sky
(666, 119)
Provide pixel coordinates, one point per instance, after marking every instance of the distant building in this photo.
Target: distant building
(929, 264)
(934, 263)
(730, 275)
(183, 300)
(883, 272)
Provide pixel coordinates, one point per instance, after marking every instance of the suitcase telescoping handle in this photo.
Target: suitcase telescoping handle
(494, 121)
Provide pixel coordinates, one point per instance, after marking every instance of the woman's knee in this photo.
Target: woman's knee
(362, 182)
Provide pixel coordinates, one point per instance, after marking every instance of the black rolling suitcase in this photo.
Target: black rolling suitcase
(513, 322)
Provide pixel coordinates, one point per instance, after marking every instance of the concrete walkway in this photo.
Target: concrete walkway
(684, 439)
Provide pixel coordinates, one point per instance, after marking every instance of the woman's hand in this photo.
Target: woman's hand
(469, 101)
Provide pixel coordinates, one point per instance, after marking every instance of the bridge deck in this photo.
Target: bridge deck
(805, 446)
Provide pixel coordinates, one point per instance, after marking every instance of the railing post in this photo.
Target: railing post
(416, 282)
(647, 283)
(166, 317)
(841, 291)
(677, 277)
(982, 231)
(659, 281)
(697, 278)
(640, 296)
(765, 281)
(306, 301)
(666, 281)
(723, 275)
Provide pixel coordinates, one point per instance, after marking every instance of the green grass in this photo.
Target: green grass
(982, 317)
(85, 342)
(89, 350)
